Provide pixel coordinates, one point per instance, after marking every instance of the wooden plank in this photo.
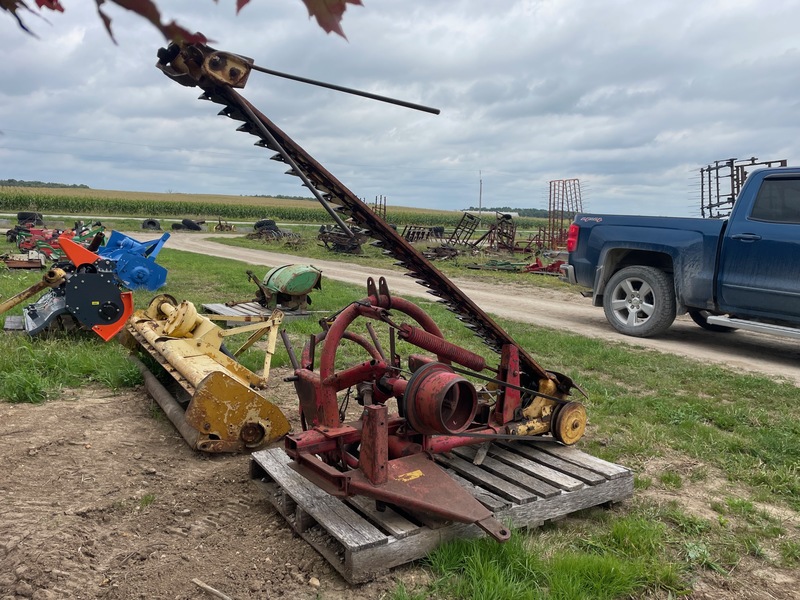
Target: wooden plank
(535, 468)
(575, 456)
(493, 483)
(348, 527)
(219, 309)
(253, 309)
(238, 310)
(573, 470)
(14, 323)
(341, 522)
(510, 473)
(613, 490)
(241, 311)
(389, 520)
(491, 501)
(362, 566)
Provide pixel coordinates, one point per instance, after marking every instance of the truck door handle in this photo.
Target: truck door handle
(746, 237)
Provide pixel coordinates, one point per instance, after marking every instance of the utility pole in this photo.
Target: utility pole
(480, 194)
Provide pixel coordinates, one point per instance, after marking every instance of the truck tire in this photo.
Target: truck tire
(151, 224)
(34, 219)
(25, 216)
(191, 225)
(701, 318)
(640, 301)
(266, 224)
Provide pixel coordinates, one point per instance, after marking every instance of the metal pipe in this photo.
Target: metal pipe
(289, 350)
(339, 88)
(167, 403)
(375, 340)
(52, 279)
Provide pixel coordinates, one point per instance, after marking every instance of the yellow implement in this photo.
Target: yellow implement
(52, 279)
(227, 411)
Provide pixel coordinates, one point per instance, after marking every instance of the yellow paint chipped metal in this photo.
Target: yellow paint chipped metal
(410, 476)
(226, 406)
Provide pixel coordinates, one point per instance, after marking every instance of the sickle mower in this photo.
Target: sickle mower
(388, 456)
(391, 457)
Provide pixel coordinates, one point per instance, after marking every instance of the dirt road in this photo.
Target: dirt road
(557, 309)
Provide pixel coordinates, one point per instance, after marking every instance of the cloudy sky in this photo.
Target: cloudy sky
(630, 97)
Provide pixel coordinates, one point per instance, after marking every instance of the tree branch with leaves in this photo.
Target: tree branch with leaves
(328, 14)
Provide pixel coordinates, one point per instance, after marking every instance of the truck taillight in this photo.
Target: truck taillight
(572, 237)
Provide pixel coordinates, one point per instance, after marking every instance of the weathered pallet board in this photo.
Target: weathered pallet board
(245, 309)
(251, 309)
(14, 323)
(524, 484)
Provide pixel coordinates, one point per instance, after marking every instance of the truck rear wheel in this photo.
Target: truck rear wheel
(640, 301)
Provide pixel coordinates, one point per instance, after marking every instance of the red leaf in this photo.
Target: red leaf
(51, 4)
(13, 6)
(142, 7)
(147, 9)
(106, 20)
(328, 13)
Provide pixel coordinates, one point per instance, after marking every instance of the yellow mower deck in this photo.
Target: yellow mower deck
(227, 411)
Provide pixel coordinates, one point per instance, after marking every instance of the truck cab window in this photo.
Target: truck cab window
(778, 201)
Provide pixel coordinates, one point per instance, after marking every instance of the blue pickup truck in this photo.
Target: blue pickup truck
(742, 272)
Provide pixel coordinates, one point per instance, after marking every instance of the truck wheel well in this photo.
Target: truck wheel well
(619, 259)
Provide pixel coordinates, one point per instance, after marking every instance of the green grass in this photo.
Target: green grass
(34, 370)
(146, 500)
(604, 561)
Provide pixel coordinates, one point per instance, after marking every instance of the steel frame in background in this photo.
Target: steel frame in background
(721, 181)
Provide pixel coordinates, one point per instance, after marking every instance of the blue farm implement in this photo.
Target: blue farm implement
(88, 285)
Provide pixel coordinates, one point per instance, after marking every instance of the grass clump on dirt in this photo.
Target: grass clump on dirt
(34, 370)
(603, 560)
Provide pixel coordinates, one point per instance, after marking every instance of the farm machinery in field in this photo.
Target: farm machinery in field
(87, 284)
(47, 242)
(446, 396)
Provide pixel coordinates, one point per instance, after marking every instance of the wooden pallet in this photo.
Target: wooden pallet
(251, 309)
(14, 323)
(524, 484)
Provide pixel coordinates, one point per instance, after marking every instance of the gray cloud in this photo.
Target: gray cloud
(631, 97)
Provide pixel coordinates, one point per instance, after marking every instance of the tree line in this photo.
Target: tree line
(40, 184)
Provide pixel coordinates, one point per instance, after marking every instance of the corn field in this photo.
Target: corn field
(82, 202)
